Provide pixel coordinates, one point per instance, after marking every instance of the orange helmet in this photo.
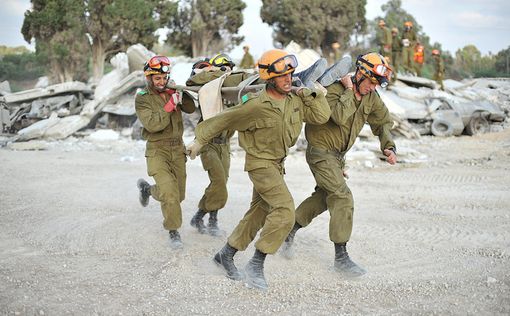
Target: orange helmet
(157, 65)
(374, 67)
(408, 23)
(275, 63)
(435, 52)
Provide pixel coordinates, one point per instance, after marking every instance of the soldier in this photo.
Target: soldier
(408, 43)
(353, 102)
(396, 52)
(159, 109)
(384, 39)
(268, 124)
(215, 155)
(419, 58)
(439, 68)
(247, 62)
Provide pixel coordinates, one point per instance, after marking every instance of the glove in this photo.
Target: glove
(193, 149)
(175, 98)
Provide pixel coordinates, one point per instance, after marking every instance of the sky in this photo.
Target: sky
(454, 23)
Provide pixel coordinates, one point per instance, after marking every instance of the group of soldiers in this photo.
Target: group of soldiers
(268, 124)
(408, 50)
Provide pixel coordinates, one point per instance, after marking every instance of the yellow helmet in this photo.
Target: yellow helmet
(275, 63)
(221, 60)
(157, 65)
(374, 67)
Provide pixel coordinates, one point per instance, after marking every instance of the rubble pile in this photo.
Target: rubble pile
(417, 106)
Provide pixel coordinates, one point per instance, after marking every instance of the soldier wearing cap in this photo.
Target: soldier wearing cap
(268, 124)
(159, 109)
(353, 101)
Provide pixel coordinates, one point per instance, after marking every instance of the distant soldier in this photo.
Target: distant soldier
(159, 109)
(396, 52)
(247, 62)
(439, 68)
(384, 39)
(419, 58)
(408, 43)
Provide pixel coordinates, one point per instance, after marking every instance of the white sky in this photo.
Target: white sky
(454, 24)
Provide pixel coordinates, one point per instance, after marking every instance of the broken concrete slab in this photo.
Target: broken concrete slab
(111, 80)
(29, 145)
(138, 55)
(418, 81)
(66, 126)
(41, 108)
(60, 88)
(124, 105)
(5, 87)
(38, 129)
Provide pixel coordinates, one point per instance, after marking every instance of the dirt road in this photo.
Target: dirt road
(434, 237)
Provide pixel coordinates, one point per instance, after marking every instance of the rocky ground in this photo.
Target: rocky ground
(434, 237)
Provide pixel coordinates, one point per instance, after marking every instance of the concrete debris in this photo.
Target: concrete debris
(416, 105)
(42, 82)
(103, 135)
(29, 145)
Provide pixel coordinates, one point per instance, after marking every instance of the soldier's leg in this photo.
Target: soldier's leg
(170, 177)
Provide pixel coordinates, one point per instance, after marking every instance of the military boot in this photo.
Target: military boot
(145, 191)
(212, 227)
(225, 259)
(336, 71)
(175, 240)
(287, 251)
(198, 222)
(254, 271)
(312, 73)
(344, 265)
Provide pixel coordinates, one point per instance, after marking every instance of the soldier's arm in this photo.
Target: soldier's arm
(203, 77)
(316, 109)
(237, 118)
(381, 123)
(341, 101)
(152, 120)
(188, 105)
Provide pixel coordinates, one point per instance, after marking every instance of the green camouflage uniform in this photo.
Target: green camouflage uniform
(267, 128)
(165, 152)
(396, 55)
(215, 155)
(408, 51)
(439, 71)
(327, 145)
(247, 62)
(384, 39)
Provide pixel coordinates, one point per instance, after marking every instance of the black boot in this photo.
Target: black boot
(145, 191)
(198, 222)
(254, 270)
(286, 250)
(213, 228)
(175, 239)
(344, 265)
(225, 259)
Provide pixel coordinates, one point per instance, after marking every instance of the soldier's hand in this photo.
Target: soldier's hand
(346, 81)
(193, 149)
(175, 99)
(391, 157)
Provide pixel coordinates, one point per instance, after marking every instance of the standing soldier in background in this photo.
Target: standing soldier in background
(353, 101)
(247, 62)
(396, 52)
(439, 68)
(159, 109)
(419, 58)
(268, 124)
(215, 155)
(384, 39)
(408, 43)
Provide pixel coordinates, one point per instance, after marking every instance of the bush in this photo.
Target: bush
(20, 67)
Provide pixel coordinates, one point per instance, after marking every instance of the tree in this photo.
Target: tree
(502, 62)
(315, 24)
(58, 29)
(204, 27)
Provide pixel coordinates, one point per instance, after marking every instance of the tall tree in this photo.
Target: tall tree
(314, 24)
(203, 27)
(58, 29)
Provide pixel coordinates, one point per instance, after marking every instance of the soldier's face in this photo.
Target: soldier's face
(159, 81)
(367, 86)
(283, 84)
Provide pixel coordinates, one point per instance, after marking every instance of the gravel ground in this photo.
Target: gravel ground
(434, 237)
